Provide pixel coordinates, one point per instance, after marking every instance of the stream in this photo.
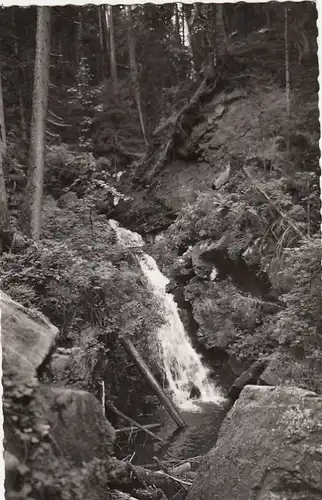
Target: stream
(200, 400)
(180, 444)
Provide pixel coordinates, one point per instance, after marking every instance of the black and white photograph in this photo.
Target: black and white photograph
(160, 251)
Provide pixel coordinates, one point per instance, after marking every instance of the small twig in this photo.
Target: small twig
(181, 481)
(136, 424)
(161, 465)
(134, 429)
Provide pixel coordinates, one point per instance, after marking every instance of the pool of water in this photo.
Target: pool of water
(180, 444)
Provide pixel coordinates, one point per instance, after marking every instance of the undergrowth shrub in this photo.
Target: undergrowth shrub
(298, 276)
(78, 275)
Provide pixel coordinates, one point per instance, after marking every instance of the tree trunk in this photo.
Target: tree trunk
(221, 36)
(188, 39)
(39, 112)
(183, 20)
(177, 24)
(210, 35)
(22, 116)
(106, 31)
(4, 213)
(101, 56)
(109, 20)
(79, 32)
(287, 78)
(21, 106)
(2, 121)
(140, 363)
(80, 62)
(100, 26)
(134, 70)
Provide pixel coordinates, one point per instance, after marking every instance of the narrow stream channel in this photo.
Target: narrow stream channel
(197, 439)
(200, 400)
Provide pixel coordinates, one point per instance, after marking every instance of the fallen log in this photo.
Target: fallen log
(248, 377)
(142, 366)
(180, 124)
(126, 475)
(133, 422)
(133, 428)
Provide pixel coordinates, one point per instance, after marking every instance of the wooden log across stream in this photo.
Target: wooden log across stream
(144, 369)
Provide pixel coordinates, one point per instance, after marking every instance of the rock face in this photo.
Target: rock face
(269, 448)
(78, 425)
(51, 435)
(285, 368)
(27, 337)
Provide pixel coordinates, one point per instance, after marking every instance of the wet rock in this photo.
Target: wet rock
(78, 424)
(49, 432)
(194, 392)
(183, 275)
(236, 365)
(201, 268)
(269, 447)
(106, 206)
(178, 295)
(248, 377)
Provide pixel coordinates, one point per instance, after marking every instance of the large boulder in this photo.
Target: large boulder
(54, 438)
(269, 448)
(27, 337)
(78, 425)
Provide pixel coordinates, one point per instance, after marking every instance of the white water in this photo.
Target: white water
(182, 365)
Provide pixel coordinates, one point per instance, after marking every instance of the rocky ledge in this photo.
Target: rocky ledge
(269, 447)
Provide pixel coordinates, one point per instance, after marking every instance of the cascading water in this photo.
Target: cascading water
(182, 365)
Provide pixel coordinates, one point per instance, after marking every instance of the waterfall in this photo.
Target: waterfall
(182, 365)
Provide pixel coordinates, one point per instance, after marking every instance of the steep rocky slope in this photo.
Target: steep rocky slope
(240, 181)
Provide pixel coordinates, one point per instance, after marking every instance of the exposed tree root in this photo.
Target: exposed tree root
(167, 135)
